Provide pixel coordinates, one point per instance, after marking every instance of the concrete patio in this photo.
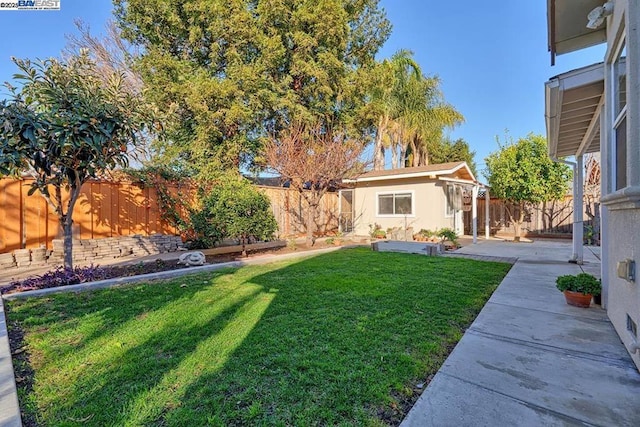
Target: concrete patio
(529, 359)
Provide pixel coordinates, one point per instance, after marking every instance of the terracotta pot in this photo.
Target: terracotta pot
(578, 299)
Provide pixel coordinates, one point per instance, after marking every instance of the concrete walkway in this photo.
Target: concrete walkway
(529, 359)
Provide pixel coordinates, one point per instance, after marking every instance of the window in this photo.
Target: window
(395, 203)
(619, 104)
(451, 194)
(454, 199)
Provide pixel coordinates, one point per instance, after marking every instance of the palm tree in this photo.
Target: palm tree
(411, 112)
(386, 98)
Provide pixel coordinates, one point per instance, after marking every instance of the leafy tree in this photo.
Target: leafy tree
(233, 71)
(446, 150)
(234, 208)
(313, 159)
(522, 174)
(65, 125)
(113, 55)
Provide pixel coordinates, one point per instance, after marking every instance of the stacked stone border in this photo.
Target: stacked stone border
(94, 250)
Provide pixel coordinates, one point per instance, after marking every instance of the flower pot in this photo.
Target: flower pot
(578, 299)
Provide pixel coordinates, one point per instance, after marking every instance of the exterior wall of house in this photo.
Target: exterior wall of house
(621, 203)
(429, 202)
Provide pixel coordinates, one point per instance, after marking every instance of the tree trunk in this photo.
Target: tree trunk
(403, 156)
(518, 223)
(66, 219)
(244, 245)
(394, 156)
(310, 223)
(378, 149)
(416, 152)
(67, 228)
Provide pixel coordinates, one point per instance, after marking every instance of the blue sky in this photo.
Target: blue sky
(492, 58)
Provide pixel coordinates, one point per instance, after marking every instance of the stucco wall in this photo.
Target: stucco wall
(429, 203)
(623, 296)
(622, 227)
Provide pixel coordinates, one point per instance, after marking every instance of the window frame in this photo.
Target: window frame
(394, 193)
(618, 117)
(448, 202)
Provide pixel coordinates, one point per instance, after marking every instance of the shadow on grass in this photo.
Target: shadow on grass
(341, 338)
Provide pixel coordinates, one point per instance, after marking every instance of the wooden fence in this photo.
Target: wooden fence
(551, 218)
(111, 209)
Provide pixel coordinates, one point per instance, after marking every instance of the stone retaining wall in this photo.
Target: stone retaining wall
(93, 250)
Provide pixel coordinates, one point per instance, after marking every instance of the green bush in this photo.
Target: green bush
(206, 229)
(234, 209)
(426, 233)
(584, 282)
(448, 234)
(240, 211)
(376, 231)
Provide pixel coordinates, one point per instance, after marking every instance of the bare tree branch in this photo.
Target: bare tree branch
(313, 159)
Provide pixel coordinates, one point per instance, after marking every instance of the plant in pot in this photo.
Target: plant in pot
(579, 289)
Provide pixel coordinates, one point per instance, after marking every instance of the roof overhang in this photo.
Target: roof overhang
(463, 181)
(573, 103)
(567, 26)
(402, 174)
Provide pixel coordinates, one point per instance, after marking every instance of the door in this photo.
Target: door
(345, 211)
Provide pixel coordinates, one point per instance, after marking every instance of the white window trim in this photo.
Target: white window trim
(386, 193)
(621, 116)
(446, 202)
(620, 44)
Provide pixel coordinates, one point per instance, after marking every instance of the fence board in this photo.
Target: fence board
(110, 209)
(557, 220)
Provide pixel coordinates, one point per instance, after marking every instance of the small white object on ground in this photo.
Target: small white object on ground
(192, 258)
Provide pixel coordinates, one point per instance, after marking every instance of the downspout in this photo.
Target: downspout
(577, 255)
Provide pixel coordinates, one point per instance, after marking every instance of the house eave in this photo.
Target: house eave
(567, 26)
(422, 174)
(573, 103)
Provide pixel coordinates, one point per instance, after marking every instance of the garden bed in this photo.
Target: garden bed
(56, 277)
(350, 337)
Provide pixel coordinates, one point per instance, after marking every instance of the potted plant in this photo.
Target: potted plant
(376, 232)
(588, 235)
(579, 289)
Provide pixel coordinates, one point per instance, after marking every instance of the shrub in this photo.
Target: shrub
(235, 209)
(376, 231)
(426, 233)
(448, 234)
(206, 229)
(584, 283)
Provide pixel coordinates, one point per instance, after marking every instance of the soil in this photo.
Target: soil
(22, 370)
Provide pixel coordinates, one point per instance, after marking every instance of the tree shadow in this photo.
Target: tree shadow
(328, 353)
(333, 339)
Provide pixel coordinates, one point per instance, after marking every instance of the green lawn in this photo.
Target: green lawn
(339, 339)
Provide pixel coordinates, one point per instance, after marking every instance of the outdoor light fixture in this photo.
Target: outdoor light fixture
(597, 16)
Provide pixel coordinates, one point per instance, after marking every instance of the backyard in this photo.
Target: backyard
(350, 337)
